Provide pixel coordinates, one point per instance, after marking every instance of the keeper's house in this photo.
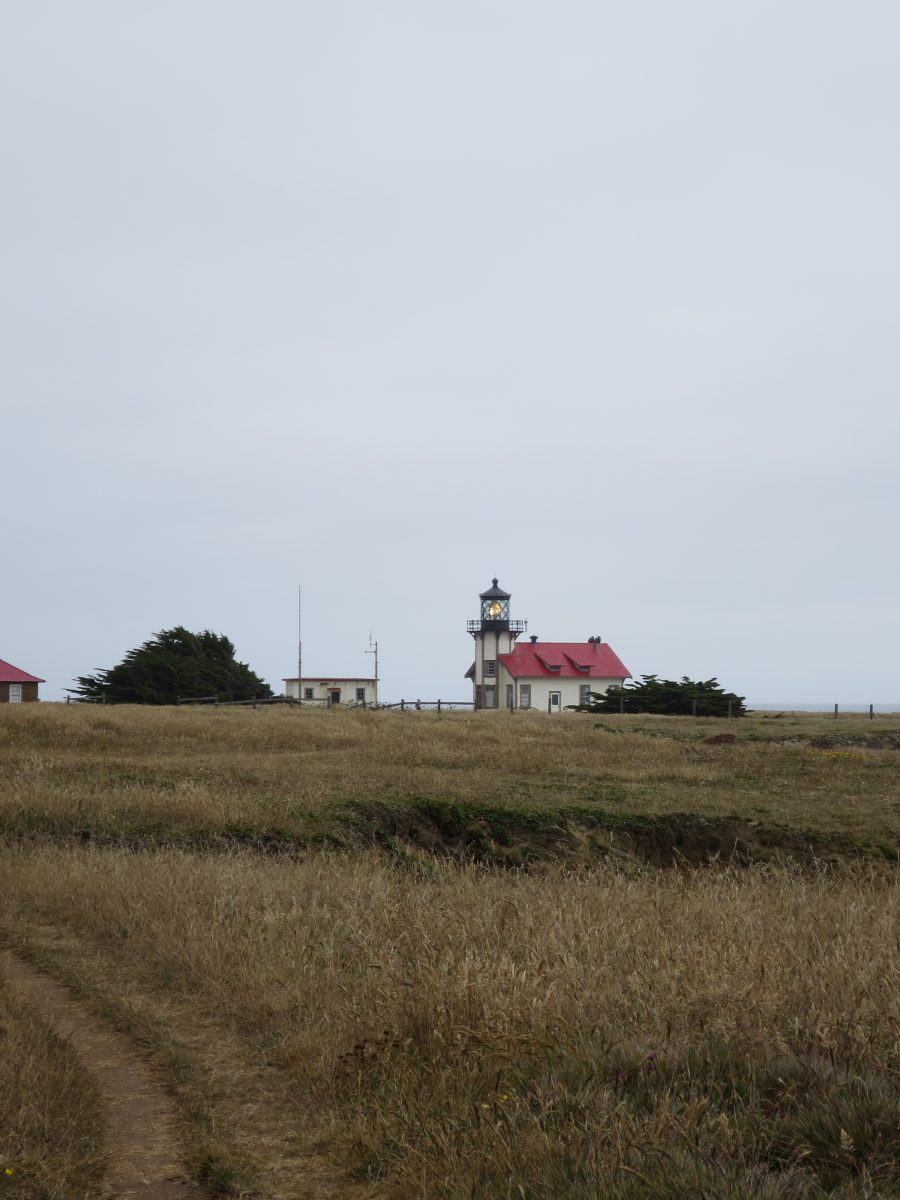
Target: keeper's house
(547, 676)
(331, 692)
(17, 687)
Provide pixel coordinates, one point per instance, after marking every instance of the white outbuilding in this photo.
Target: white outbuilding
(331, 692)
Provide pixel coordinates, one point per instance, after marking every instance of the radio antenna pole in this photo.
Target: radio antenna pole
(375, 652)
(300, 644)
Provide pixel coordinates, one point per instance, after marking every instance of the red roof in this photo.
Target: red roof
(569, 660)
(11, 674)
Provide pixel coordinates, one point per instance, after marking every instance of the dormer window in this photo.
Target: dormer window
(580, 667)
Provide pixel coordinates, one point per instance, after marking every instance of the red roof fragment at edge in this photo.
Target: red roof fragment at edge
(532, 660)
(11, 674)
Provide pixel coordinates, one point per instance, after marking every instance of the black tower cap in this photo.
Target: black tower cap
(494, 592)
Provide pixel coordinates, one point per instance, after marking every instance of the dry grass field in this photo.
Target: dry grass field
(50, 1124)
(294, 776)
(400, 1015)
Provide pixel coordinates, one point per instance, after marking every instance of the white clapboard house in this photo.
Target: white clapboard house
(547, 676)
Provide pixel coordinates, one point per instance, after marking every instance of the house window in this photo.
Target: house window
(524, 695)
(360, 695)
(584, 693)
(490, 666)
(15, 693)
(308, 693)
(509, 695)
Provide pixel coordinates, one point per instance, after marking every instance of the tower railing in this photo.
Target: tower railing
(516, 626)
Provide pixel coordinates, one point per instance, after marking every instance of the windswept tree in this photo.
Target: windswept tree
(665, 697)
(175, 663)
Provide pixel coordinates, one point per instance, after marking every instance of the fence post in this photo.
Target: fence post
(439, 708)
(402, 705)
(730, 704)
(835, 712)
(694, 707)
(622, 703)
(871, 712)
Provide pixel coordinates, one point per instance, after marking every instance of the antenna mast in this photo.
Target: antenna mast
(300, 644)
(375, 652)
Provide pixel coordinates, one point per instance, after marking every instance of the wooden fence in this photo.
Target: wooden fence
(399, 705)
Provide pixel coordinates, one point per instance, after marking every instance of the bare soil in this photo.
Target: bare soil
(242, 1126)
(143, 1150)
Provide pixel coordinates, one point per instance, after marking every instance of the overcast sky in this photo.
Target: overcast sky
(386, 299)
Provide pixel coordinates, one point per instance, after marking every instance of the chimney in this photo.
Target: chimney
(533, 638)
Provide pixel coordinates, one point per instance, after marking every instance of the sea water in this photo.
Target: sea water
(807, 706)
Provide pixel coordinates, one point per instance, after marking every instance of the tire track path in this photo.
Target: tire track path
(140, 1119)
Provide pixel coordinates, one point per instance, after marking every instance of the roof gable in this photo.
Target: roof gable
(11, 674)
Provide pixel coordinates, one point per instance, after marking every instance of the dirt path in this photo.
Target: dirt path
(143, 1149)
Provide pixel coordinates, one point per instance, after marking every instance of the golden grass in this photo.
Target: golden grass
(458, 1032)
(50, 1115)
(121, 769)
(418, 1027)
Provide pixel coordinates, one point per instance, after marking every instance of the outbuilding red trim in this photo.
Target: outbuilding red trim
(328, 679)
(564, 660)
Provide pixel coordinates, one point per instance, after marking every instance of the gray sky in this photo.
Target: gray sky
(384, 299)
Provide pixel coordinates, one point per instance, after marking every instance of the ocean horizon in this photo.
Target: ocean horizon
(882, 708)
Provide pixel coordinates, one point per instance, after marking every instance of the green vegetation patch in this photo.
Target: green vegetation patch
(503, 835)
(512, 836)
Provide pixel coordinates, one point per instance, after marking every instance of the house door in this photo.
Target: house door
(554, 704)
(15, 693)
(334, 697)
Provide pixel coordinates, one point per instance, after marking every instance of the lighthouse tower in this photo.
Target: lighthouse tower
(494, 634)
